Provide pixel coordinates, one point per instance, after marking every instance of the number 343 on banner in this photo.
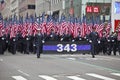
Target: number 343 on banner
(67, 47)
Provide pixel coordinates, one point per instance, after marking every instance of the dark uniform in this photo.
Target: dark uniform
(78, 38)
(112, 43)
(27, 44)
(39, 44)
(66, 37)
(94, 42)
(104, 42)
(33, 44)
(52, 36)
(3, 45)
(13, 45)
(20, 42)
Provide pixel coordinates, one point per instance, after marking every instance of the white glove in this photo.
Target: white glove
(98, 41)
(90, 41)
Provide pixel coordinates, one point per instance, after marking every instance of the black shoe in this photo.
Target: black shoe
(93, 56)
(38, 56)
(27, 52)
(83, 53)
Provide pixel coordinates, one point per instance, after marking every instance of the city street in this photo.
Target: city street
(66, 32)
(59, 67)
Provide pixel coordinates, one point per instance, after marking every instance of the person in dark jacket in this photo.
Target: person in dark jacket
(3, 42)
(67, 36)
(93, 36)
(38, 43)
(112, 43)
(27, 43)
(52, 36)
(104, 42)
(13, 45)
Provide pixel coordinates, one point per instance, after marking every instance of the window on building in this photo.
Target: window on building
(31, 6)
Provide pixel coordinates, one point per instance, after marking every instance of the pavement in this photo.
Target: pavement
(59, 67)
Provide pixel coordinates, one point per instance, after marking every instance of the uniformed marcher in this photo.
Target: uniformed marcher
(52, 36)
(38, 43)
(27, 42)
(115, 43)
(67, 36)
(93, 39)
(78, 38)
(2, 42)
(118, 38)
(19, 42)
(104, 42)
(13, 44)
(33, 45)
(112, 43)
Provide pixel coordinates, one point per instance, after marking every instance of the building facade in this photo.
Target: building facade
(26, 6)
(56, 7)
(103, 8)
(115, 14)
(14, 7)
(6, 10)
(18, 7)
(40, 7)
(76, 7)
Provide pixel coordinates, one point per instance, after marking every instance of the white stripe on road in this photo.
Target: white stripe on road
(99, 76)
(18, 78)
(75, 78)
(71, 58)
(116, 74)
(23, 73)
(47, 77)
(1, 60)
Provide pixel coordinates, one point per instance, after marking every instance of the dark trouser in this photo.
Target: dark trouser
(38, 50)
(114, 48)
(24, 48)
(104, 48)
(119, 47)
(27, 47)
(34, 49)
(93, 49)
(1, 49)
(4, 45)
(14, 49)
(110, 48)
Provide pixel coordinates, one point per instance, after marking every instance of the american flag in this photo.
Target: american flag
(108, 29)
(35, 27)
(1, 27)
(76, 29)
(49, 26)
(65, 26)
(12, 32)
(25, 27)
(43, 27)
(84, 26)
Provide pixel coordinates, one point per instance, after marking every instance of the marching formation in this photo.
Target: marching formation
(28, 35)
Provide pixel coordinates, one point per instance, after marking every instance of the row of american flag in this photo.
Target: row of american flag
(64, 25)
